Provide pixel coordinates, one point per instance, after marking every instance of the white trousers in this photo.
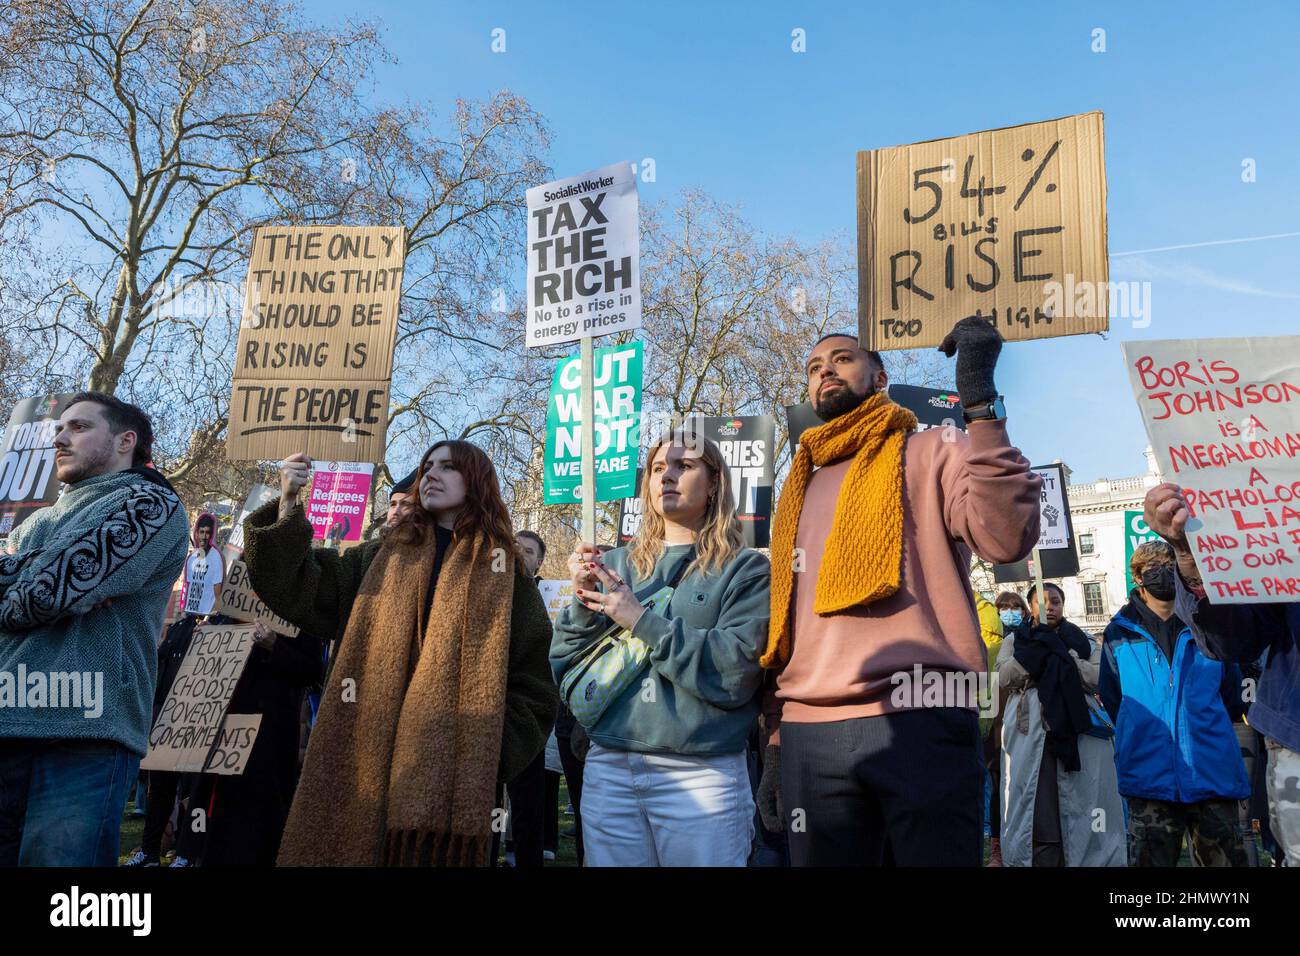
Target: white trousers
(665, 809)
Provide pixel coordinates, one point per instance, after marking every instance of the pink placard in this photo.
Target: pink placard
(337, 504)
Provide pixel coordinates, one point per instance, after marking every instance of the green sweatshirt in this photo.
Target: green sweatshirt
(121, 536)
(315, 588)
(700, 692)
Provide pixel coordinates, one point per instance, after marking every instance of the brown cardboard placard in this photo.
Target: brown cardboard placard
(238, 600)
(234, 744)
(1007, 224)
(191, 716)
(316, 338)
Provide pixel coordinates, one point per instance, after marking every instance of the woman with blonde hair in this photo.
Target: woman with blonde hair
(665, 782)
(440, 690)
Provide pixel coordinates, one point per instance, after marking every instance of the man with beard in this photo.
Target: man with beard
(871, 551)
(81, 607)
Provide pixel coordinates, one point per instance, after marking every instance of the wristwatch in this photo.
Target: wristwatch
(995, 410)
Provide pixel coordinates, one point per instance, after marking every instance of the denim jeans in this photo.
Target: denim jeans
(61, 801)
(666, 809)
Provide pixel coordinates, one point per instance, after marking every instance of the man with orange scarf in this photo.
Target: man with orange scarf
(874, 754)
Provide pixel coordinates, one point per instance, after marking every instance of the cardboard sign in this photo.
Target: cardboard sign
(584, 271)
(747, 443)
(234, 744)
(27, 480)
(187, 725)
(1223, 416)
(238, 600)
(316, 343)
(336, 506)
(1055, 533)
(1008, 225)
(557, 593)
(1136, 533)
(617, 383)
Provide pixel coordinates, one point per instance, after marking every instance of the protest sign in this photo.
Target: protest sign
(557, 593)
(336, 506)
(27, 479)
(617, 405)
(747, 443)
(316, 343)
(258, 495)
(1136, 532)
(583, 257)
(1223, 416)
(1008, 225)
(191, 716)
(629, 512)
(1055, 546)
(933, 407)
(234, 744)
(238, 600)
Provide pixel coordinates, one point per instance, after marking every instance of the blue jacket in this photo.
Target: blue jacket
(1241, 633)
(1173, 734)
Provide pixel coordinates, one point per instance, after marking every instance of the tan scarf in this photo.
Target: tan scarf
(402, 764)
(863, 557)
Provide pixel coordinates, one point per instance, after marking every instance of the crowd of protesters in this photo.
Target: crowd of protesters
(707, 706)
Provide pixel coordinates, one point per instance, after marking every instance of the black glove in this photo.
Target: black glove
(977, 345)
(770, 808)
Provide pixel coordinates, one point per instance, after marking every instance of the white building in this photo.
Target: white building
(1098, 515)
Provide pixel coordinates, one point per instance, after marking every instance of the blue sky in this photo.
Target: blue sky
(713, 92)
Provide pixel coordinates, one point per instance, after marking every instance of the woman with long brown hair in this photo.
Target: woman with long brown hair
(440, 687)
(665, 782)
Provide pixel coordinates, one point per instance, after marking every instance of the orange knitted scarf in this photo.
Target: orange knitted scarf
(863, 557)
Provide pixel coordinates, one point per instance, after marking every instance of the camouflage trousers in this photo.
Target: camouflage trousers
(1156, 828)
(1284, 799)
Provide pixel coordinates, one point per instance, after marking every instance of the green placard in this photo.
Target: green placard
(1136, 532)
(617, 425)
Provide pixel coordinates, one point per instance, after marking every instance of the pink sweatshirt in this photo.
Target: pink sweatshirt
(973, 492)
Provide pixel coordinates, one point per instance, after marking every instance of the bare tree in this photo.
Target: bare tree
(141, 143)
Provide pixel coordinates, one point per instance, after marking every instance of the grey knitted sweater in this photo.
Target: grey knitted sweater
(120, 536)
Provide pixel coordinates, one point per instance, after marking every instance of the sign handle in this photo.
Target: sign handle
(1038, 587)
(588, 406)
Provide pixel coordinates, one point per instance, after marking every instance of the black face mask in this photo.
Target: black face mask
(1159, 582)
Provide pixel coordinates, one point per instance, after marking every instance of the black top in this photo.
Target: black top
(441, 542)
(1164, 633)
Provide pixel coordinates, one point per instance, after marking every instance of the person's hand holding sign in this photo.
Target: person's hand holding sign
(977, 346)
(617, 602)
(294, 472)
(1166, 513)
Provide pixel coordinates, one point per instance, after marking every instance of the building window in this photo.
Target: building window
(1085, 544)
(1092, 603)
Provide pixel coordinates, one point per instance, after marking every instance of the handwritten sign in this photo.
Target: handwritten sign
(1008, 225)
(238, 600)
(584, 257)
(1223, 416)
(234, 745)
(258, 495)
(316, 342)
(187, 725)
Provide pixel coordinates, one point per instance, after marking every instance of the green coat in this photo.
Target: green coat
(315, 588)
